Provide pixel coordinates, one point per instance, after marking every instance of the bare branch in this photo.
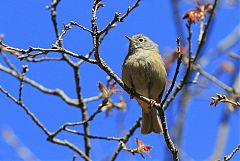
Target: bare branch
(117, 17)
(60, 37)
(53, 8)
(83, 108)
(9, 64)
(226, 158)
(74, 158)
(43, 59)
(213, 79)
(222, 47)
(175, 74)
(204, 34)
(43, 128)
(28, 112)
(24, 70)
(70, 146)
(56, 92)
(91, 99)
(91, 52)
(93, 136)
(167, 138)
(188, 72)
(234, 55)
(160, 108)
(223, 98)
(126, 138)
(82, 27)
(44, 51)
(64, 126)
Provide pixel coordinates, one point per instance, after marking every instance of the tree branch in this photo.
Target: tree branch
(228, 157)
(213, 79)
(94, 136)
(126, 138)
(43, 128)
(84, 111)
(56, 92)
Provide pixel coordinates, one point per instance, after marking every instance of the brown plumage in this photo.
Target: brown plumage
(144, 71)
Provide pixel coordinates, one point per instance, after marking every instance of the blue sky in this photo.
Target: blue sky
(27, 23)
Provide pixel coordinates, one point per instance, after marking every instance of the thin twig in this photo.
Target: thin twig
(43, 128)
(44, 51)
(201, 21)
(57, 92)
(178, 128)
(188, 72)
(91, 52)
(190, 60)
(60, 37)
(223, 98)
(213, 79)
(84, 111)
(167, 137)
(43, 59)
(28, 112)
(228, 157)
(93, 136)
(24, 70)
(94, 16)
(179, 61)
(70, 146)
(87, 56)
(204, 34)
(117, 17)
(82, 27)
(53, 8)
(222, 47)
(74, 157)
(160, 108)
(64, 126)
(234, 55)
(96, 34)
(91, 99)
(9, 64)
(126, 138)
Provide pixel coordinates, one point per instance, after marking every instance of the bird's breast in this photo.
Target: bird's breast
(147, 73)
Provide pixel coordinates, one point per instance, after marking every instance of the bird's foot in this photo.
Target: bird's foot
(152, 102)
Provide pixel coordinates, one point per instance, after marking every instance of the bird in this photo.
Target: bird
(144, 71)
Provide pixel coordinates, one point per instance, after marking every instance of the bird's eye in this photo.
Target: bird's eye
(141, 40)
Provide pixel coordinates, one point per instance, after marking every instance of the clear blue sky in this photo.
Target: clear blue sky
(27, 23)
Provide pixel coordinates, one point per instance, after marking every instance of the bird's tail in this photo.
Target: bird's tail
(151, 122)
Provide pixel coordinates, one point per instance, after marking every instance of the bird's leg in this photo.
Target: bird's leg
(132, 91)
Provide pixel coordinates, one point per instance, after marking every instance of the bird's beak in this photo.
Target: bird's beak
(129, 38)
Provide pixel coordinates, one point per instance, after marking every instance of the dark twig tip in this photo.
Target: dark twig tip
(25, 68)
(178, 41)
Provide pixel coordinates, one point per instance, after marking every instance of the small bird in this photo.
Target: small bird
(144, 71)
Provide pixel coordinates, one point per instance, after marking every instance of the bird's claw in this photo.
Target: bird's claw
(151, 103)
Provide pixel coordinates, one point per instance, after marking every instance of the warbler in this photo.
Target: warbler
(144, 72)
